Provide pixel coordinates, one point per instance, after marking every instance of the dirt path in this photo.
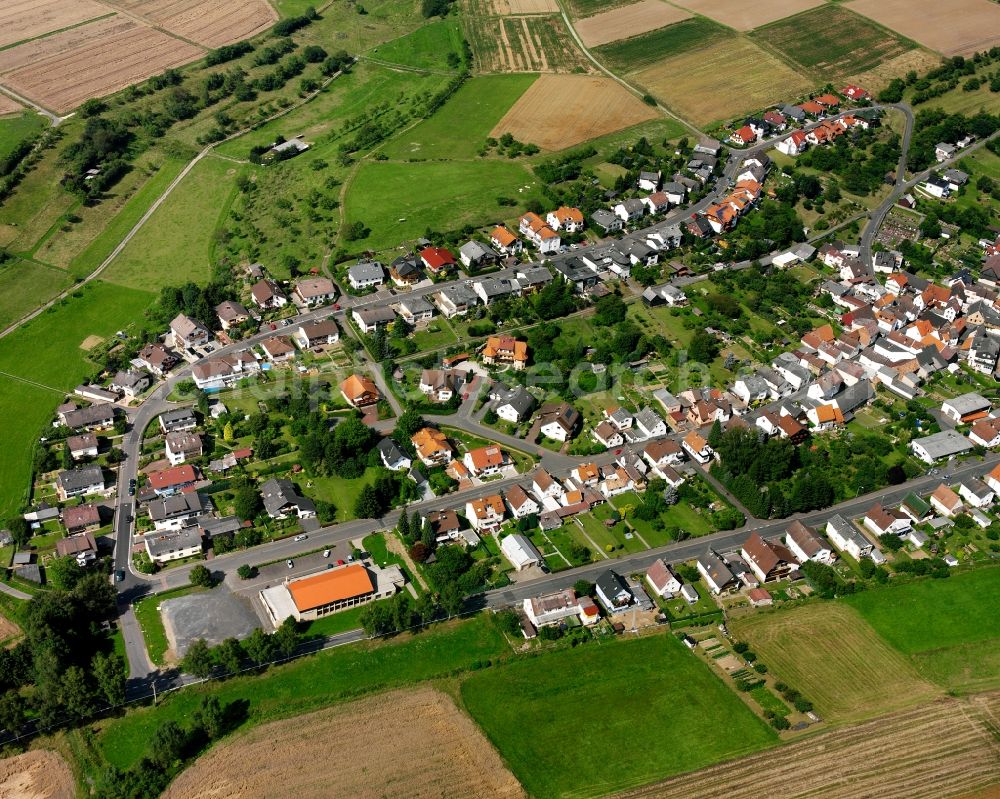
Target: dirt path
(394, 545)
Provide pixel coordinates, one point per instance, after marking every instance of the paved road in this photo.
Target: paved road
(13, 592)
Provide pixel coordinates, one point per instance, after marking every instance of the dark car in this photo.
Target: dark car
(120, 575)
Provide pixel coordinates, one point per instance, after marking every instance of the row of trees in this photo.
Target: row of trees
(231, 656)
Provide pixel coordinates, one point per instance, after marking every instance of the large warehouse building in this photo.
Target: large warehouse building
(330, 591)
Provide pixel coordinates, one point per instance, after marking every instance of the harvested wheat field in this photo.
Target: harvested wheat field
(746, 16)
(40, 49)
(834, 657)
(505, 7)
(85, 67)
(721, 81)
(877, 78)
(8, 105)
(628, 21)
(39, 774)
(211, 23)
(26, 19)
(934, 751)
(406, 743)
(958, 27)
(557, 111)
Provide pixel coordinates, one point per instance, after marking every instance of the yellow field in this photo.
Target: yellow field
(721, 81)
(835, 659)
(745, 16)
(958, 27)
(628, 21)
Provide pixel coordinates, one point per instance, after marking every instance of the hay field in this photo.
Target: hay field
(557, 111)
(829, 653)
(9, 106)
(939, 750)
(77, 66)
(832, 42)
(523, 44)
(745, 16)
(407, 743)
(39, 774)
(877, 78)
(958, 27)
(26, 19)
(721, 81)
(505, 7)
(628, 21)
(211, 23)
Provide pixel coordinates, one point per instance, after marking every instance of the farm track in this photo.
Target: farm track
(939, 750)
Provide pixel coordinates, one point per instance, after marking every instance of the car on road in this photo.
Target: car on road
(120, 575)
(326, 553)
(289, 563)
(340, 563)
(301, 537)
(131, 490)
(336, 306)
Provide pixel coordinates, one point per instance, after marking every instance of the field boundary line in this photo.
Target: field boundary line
(47, 34)
(96, 273)
(634, 90)
(25, 380)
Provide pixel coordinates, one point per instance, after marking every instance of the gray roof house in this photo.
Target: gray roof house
(366, 274)
(945, 444)
(613, 592)
(80, 481)
(605, 220)
(282, 500)
(474, 254)
(514, 405)
(392, 456)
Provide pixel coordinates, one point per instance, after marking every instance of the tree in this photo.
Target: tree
(64, 572)
(583, 587)
(259, 647)
(209, 718)
(198, 661)
(77, 695)
(403, 526)
(201, 576)
(227, 432)
(891, 541)
(229, 655)
(110, 672)
(367, 505)
(715, 434)
(246, 571)
(167, 744)
(286, 638)
(20, 530)
(247, 503)
(703, 348)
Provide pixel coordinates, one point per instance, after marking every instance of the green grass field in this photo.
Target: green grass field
(832, 41)
(436, 195)
(175, 245)
(628, 55)
(147, 612)
(425, 48)
(342, 493)
(25, 285)
(15, 129)
(950, 628)
(602, 718)
(317, 681)
(462, 125)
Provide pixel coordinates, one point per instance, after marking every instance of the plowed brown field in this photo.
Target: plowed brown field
(211, 23)
(505, 7)
(745, 16)
(958, 27)
(9, 106)
(628, 21)
(38, 774)
(934, 751)
(25, 19)
(557, 111)
(416, 744)
(77, 66)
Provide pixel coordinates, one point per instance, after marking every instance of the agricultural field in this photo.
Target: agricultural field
(399, 201)
(648, 707)
(943, 749)
(210, 23)
(877, 78)
(176, 245)
(649, 48)
(828, 653)
(558, 111)
(25, 285)
(690, 83)
(427, 47)
(15, 129)
(38, 774)
(628, 21)
(960, 27)
(832, 42)
(461, 126)
(746, 16)
(446, 755)
(523, 44)
(77, 65)
(948, 629)
(27, 19)
(9, 105)
(505, 7)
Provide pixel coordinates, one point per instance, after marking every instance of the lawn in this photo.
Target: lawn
(426, 48)
(147, 613)
(832, 41)
(768, 701)
(460, 127)
(399, 202)
(314, 682)
(335, 623)
(608, 717)
(14, 130)
(826, 651)
(641, 51)
(25, 285)
(341, 492)
(950, 628)
(176, 244)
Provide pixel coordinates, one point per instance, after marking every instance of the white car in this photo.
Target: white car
(326, 553)
(289, 563)
(301, 537)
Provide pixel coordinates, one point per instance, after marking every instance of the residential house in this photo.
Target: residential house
(806, 544)
(369, 320)
(976, 493)
(80, 482)
(519, 550)
(440, 385)
(613, 592)
(164, 546)
(278, 349)
(231, 314)
(318, 333)
(515, 406)
(560, 421)
(520, 503)
(945, 444)
(505, 241)
(445, 525)
(546, 486)
(182, 447)
(437, 259)
(476, 255)
(882, 521)
(847, 538)
(176, 511)
(648, 180)
(268, 295)
(359, 391)
(455, 300)
(914, 506)
(966, 408)
(82, 446)
(485, 514)
(541, 236)
(607, 435)
(768, 561)
(89, 418)
(606, 221)
(697, 447)
(491, 289)
(81, 546)
(986, 432)
(180, 420)
(649, 423)
(405, 270)
(556, 608)
(432, 447)
(505, 350)
(484, 461)
(715, 572)
(630, 210)
(157, 359)
(167, 482)
(216, 373)
(993, 479)
(282, 500)
(563, 218)
(415, 310)
(532, 279)
(366, 275)
(81, 519)
(663, 580)
(393, 458)
(189, 333)
(313, 291)
(586, 474)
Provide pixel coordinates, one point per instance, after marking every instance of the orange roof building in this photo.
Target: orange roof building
(330, 591)
(359, 391)
(506, 350)
(485, 460)
(432, 446)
